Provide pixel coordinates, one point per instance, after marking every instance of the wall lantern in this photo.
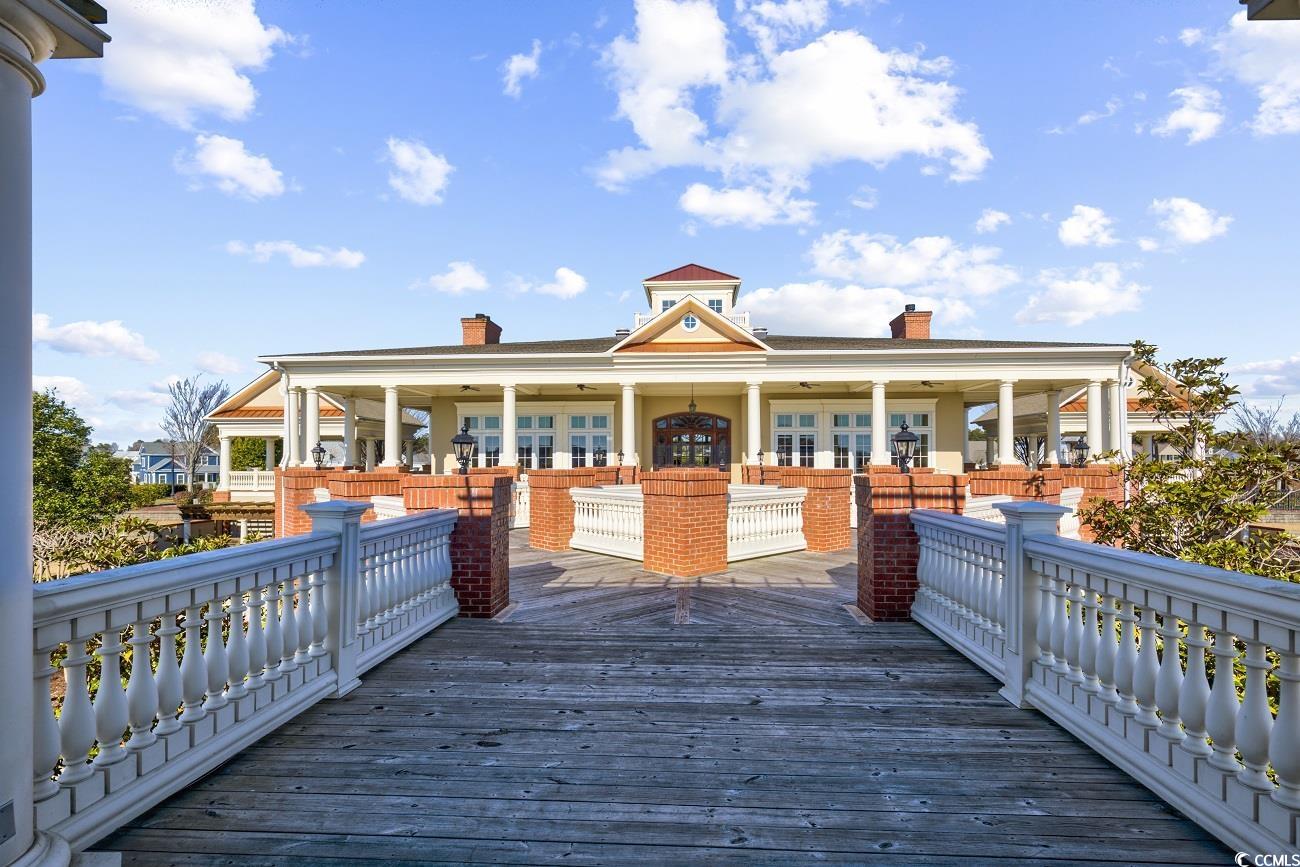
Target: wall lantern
(904, 446)
(318, 455)
(1079, 451)
(462, 445)
(599, 457)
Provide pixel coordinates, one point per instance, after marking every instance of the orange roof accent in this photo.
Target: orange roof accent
(1081, 405)
(272, 412)
(690, 273)
(687, 346)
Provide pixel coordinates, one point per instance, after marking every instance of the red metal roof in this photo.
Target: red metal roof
(688, 273)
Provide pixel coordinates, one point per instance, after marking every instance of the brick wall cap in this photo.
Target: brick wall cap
(578, 477)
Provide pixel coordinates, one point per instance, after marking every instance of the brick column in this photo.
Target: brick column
(685, 522)
(1021, 483)
(295, 487)
(551, 507)
(887, 543)
(480, 544)
(1099, 482)
(826, 508)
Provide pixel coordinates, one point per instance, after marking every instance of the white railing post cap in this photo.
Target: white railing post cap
(336, 509)
(1033, 515)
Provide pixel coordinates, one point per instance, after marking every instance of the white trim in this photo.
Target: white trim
(825, 408)
(559, 409)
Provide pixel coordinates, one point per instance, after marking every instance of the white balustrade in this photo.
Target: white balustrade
(388, 507)
(609, 520)
(985, 509)
(764, 520)
(1134, 655)
(258, 481)
(245, 639)
(519, 513)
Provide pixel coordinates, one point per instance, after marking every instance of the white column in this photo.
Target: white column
(223, 468)
(753, 421)
(1093, 434)
(270, 453)
(1007, 422)
(433, 448)
(879, 426)
(295, 427)
(311, 427)
(1053, 455)
(286, 459)
(509, 441)
(1149, 445)
(408, 449)
(25, 36)
(1115, 401)
(350, 431)
(392, 428)
(628, 406)
(370, 454)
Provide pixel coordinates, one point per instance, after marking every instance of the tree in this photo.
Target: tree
(186, 419)
(1201, 505)
(249, 453)
(73, 484)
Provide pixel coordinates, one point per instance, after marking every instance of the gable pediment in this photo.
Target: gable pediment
(689, 326)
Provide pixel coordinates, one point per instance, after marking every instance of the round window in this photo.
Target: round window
(689, 322)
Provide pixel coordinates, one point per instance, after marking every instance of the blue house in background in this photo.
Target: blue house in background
(163, 463)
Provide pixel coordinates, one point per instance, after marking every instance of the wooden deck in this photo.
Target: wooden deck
(601, 724)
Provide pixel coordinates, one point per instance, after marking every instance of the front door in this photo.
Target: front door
(692, 439)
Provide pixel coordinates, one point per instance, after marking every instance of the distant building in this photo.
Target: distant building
(163, 463)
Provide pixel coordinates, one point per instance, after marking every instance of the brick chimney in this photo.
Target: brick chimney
(911, 324)
(479, 329)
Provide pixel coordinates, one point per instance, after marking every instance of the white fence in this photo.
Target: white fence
(609, 520)
(986, 509)
(519, 514)
(245, 639)
(388, 507)
(763, 520)
(1092, 636)
(260, 481)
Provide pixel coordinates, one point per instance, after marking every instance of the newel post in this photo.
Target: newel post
(1020, 594)
(342, 587)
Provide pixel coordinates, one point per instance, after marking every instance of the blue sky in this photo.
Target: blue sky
(234, 180)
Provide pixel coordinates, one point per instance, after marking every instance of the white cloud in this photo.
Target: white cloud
(226, 163)
(751, 206)
(68, 388)
(1148, 245)
(822, 308)
(1112, 105)
(218, 364)
(1191, 35)
(1075, 298)
(1275, 378)
(418, 174)
(865, 198)
(519, 67)
(180, 60)
(88, 337)
(932, 266)
(1200, 114)
(1189, 222)
(780, 114)
(991, 220)
(298, 257)
(1265, 55)
(1086, 227)
(567, 284)
(459, 278)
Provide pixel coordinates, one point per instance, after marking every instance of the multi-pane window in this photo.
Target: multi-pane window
(796, 439)
(536, 441)
(589, 440)
(919, 424)
(851, 435)
(486, 431)
(666, 303)
(715, 304)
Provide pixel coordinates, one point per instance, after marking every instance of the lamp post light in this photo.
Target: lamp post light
(904, 446)
(599, 457)
(462, 445)
(318, 455)
(1079, 451)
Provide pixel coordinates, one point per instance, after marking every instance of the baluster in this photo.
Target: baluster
(288, 627)
(1255, 721)
(111, 716)
(1221, 715)
(77, 718)
(998, 579)
(237, 649)
(319, 625)
(1284, 745)
(1089, 641)
(381, 584)
(1106, 651)
(256, 640)
(45, 742)
(168, 677)
(1060, 624)
(366, 602)
(1144, 676)
(1194, 696)
(306, 628)
(401, 576)
(141, 688)
(274, 637)
(1126, 660)
(1169, 680)
(214, 658)
(1045, 614)
(194, 675)
(1074, 633)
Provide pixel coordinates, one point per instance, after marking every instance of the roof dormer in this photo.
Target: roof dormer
(715, 289)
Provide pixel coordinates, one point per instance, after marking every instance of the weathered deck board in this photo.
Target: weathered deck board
(768, 728)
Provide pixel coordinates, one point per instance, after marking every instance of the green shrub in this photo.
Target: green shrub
(147, 495)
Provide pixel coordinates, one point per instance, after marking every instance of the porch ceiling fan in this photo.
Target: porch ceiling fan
(469, 388)
(809, 384)
(582, 386)
(931, 383)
